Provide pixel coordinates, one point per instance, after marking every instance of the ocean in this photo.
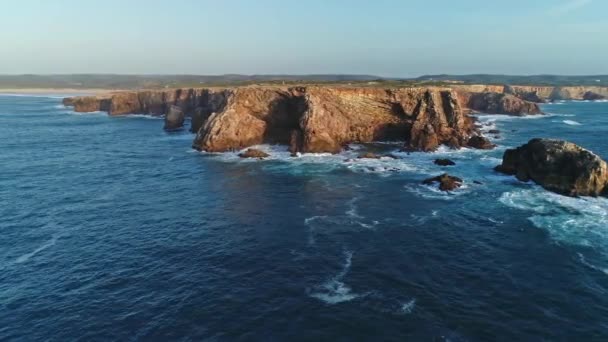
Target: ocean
(112, 229)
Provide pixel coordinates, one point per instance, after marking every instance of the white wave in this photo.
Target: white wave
(584, 261)
(433, 192)
(345, 160)
(311, 228)
(44, 246)
(572, 123)
(491, 118)
(71, 112)
(141, 116)
(335, 291)
(352, 211)
(578, 221)
(420, 220)
(408, 307)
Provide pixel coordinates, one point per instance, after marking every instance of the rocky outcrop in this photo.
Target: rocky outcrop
(444, 162)
(254, 153)
(88, 104)
(531, 93)
(368, 155)
(314, 119)
(497, 103)
(322, 119)
(480, 143)
(591, 96)
(558, 166)
(174, 119)
(526, 95)
(446, 182)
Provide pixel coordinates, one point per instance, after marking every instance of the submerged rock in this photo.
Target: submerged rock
(254, 153)
(444, 162)
(174, 119)
(558, 166)
(446, 182)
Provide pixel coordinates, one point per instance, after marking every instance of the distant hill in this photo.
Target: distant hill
(547, 80)
(109, 81)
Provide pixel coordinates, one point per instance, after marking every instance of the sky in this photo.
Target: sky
(394, 38)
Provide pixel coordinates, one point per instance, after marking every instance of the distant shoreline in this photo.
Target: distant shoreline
(46, 91)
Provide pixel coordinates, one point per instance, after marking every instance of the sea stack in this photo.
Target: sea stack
(174, 119)
(558, 166)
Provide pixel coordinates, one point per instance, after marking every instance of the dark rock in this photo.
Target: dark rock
(254, 153)
(591, 96)
(494, 131)
(444, 162)
(480, 143)
(477, 182)
(558, 166)
(446, 182)
(368, 155)
(174, 119)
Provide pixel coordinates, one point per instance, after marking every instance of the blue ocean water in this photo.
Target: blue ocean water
(111, 229)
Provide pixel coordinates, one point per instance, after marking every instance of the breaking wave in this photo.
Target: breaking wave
(578, 221)
(334, 290)
(42, 247)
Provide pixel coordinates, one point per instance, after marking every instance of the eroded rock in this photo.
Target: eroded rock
(444, 162)
(591, 96)
(558, 166)
(481, 143)
(497, 103)
(174, 119)
(446, 182)
(254, 153)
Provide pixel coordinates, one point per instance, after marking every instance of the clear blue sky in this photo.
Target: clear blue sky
(383, 37)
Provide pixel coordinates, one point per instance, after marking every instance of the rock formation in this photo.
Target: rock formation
(558, 166)
(254, 153)
(497, 103)
(591, 96)
(368, 155)
(480, 143)
(444, 162)
(529, 93)
(174, 119)
(314, 119)
(526, 95)
(446, 182)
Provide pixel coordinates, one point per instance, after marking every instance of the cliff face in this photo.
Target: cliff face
(497, 103)
(315, 119)
(537, 93)
(321, 119)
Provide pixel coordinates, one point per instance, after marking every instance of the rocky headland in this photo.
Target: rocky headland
(315, 119)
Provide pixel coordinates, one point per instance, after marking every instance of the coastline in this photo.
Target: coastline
(47, 91)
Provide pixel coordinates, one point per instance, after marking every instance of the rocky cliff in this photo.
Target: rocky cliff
(537, 93)
(316, 119)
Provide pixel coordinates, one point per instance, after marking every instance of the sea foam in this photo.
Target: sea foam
(334, 290)
(578, 221)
